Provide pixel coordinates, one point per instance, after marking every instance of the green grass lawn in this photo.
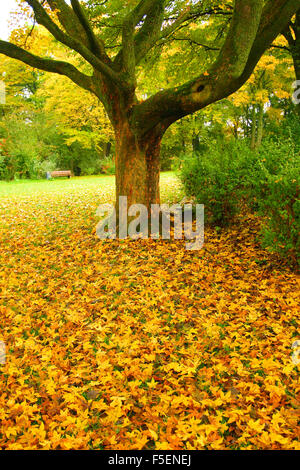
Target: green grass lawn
(104, 185)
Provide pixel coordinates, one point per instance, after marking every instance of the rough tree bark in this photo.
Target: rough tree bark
(140, 125)
(137, 166)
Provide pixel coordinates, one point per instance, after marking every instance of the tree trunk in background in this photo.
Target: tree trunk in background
(196, 143)
(260, 126)
(253, 128)
(107, 149)
(257, 127)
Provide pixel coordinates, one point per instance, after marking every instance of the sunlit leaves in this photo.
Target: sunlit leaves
(131, 345)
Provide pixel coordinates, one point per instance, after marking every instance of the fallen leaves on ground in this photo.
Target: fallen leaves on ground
(140, 344)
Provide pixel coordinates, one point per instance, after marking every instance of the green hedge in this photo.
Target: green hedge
(229, 175)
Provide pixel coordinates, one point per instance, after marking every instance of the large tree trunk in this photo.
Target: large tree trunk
(137, 167)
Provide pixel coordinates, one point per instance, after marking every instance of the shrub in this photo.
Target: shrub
(277, 184)
(230, 176)
(6, 173)
(107, 166)
(217, 179)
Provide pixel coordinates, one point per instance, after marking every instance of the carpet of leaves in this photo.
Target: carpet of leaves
(140, 344)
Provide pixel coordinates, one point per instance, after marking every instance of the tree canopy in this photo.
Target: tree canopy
(114, 37)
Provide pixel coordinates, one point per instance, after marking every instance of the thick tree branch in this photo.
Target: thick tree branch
(68, 19)
(276, 16)
(48, 65)
(241, 36)
(136, 15)
(95, 45)
(150, 32)
(127, 55)
(44, 19)
(253, 29)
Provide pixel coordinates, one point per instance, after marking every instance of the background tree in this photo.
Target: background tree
(139, 26)
(292, 35)
(48, 122)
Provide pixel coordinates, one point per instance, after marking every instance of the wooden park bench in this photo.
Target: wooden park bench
(55, 174)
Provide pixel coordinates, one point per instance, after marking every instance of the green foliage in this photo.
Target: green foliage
(276, 187)
(34, 144)
(288, 129)
(230, 175)
(108, 166)
(215, 179)
(30, 146)
(5, 171)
